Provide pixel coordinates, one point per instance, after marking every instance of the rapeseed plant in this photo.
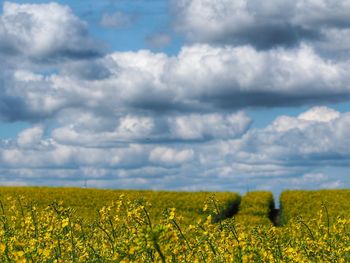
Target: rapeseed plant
(125, 231)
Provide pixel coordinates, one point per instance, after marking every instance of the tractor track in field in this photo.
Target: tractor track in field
(275, 216)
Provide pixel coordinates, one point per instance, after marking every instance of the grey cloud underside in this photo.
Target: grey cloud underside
(267, 36)
(90, 70)
(68, 54)
(263, 25)
(234, 100)
(12, 109)
(271, 99)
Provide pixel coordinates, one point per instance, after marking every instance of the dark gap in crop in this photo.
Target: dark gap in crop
(275, 216)
(229, 210)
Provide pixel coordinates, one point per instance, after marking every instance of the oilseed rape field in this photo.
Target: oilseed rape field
(88, 225)
(86, 202)
(255, 209)
(306, 204)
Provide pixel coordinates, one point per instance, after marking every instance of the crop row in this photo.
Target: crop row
(255, 208)
(307, 204)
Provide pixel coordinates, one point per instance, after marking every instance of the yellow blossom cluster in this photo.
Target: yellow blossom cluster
(125, 231)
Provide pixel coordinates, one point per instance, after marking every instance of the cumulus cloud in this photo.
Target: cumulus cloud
(30, 137)
(201, 78)
(44, 32)
(29, 96)
(234, 77)
(169, 157)
(283, 152)
(314, 137)
(264, 24)
(209, 126)
(92, 130)
(135, 119)
(51, 154)
(320, 114)
(290, 151)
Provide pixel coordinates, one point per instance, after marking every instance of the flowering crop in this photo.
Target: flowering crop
(306, 204)
(124, 231)
(255, 208)
(87, 201)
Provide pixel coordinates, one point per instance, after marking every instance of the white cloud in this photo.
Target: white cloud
(316, 136)
(292, 156)
(27, 76)
(170, 157)
(241, 76)
(45, 31)
(143, 118)
(95, 130)
(205, 19)
(99, 131)
(304, 120)
(135, 127)
(11, 156)
(320, 114)
(30, 137)
(51, 154)
(200, 78)
(209, 126)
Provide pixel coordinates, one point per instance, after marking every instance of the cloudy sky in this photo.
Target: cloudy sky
(182, 95)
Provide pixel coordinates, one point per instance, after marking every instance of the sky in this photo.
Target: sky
(225, 95)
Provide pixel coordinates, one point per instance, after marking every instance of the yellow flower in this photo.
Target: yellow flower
(65, 222)
(2, 248)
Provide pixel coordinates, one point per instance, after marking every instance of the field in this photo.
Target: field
(307, 204)
(255, 208)
(144, 226)
(87, 202)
